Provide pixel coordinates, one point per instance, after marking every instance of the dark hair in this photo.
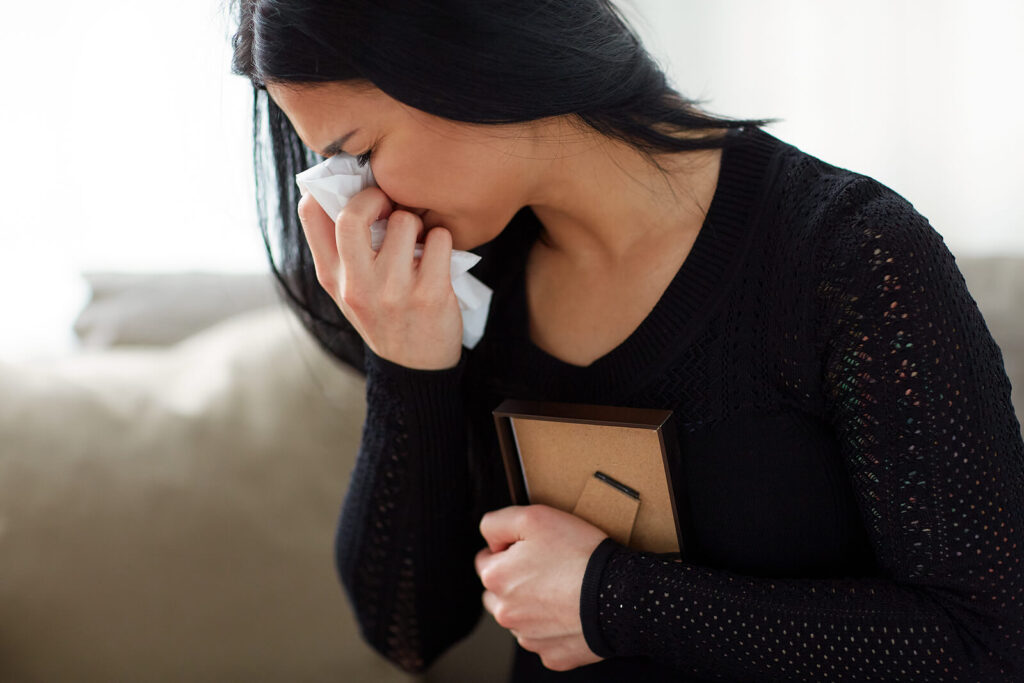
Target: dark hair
(477, 61)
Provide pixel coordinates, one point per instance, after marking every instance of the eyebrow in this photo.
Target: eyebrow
(335, 147)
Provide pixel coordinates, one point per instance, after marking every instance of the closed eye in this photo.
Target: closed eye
(364, 159)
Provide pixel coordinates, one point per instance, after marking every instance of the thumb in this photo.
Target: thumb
(501, 528)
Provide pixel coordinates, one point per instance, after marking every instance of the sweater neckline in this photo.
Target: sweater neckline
(692, 294)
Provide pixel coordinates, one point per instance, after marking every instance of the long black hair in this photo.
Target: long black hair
(475, 61)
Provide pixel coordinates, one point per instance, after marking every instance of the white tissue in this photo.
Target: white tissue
(334, 181)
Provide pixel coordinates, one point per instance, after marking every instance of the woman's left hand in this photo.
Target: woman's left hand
(532, 571)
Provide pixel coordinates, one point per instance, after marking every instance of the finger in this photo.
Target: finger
(501, 528)
(560, 653)
(556, 653)
(436, 263)
(490, 602)
(352, 229)
(399, 245)
(482, 560)
(536, 645)
(319, 230)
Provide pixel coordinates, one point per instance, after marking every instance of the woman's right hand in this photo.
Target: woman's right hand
(404, 308)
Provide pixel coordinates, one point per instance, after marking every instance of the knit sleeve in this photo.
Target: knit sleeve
(920, 403)
(406, 538)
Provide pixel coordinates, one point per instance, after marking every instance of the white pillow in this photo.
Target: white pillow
(164, 308)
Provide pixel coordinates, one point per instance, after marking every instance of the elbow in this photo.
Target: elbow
(397, 641)
(386, 623)
(409, 661)
(396, 648)
(400, 611)
(407, 638)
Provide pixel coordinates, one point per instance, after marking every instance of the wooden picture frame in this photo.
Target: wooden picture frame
(618, 468)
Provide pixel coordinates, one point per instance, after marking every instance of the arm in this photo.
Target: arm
(917, 393)
(404, 545)
(407, 537)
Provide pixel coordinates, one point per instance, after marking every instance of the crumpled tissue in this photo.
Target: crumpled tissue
(334, 181)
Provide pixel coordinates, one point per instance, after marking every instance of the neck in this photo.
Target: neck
(601, 202)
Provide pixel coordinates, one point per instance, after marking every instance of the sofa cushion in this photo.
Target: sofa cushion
(168, 514)
(997, 284)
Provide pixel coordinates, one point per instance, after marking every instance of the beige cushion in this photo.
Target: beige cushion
(168, 515)
(997, 284)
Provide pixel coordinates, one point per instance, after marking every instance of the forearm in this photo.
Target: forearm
(406, 537)
(725, 625)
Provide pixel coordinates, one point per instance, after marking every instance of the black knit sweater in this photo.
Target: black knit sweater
(853, 465)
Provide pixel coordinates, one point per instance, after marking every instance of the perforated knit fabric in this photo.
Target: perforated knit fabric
(853, 465)
(401, 522)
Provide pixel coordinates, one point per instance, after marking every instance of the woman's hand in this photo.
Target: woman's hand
(532, 571)
(404, 308)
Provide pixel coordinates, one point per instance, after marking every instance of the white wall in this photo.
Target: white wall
(125, 140)
(126, 146)
(924, 95)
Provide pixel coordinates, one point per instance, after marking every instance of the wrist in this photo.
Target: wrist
(379, 363)
(425, 359)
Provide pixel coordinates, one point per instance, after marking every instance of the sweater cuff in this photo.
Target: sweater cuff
(590, 598)
(380, 365)
(413, 380)
(426, 397)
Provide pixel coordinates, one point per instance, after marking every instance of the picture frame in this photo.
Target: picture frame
(618, 468)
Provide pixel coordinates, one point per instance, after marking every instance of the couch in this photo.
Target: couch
(168, 494)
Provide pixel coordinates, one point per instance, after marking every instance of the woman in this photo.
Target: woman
(853, 462)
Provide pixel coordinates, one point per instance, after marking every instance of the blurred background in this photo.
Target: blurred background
(174, 448)
(126, 140)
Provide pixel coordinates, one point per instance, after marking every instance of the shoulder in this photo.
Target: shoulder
(841, 222)
(852, 246)
(839, 209)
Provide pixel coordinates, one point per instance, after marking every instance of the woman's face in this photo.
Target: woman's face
(470, 179)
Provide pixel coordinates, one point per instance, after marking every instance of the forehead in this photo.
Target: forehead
(317, 96)
(323, 112)
(318, 111)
